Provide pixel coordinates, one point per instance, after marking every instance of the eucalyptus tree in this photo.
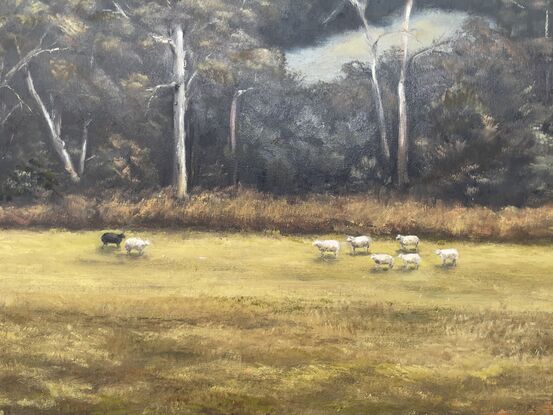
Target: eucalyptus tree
(254, 68)
(31, 29)
(195, 35)
(360, 7)
(403, 131)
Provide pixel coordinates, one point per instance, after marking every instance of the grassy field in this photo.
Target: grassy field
(209, 323)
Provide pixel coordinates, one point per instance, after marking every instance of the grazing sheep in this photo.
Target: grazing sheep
(328, 246)
(136, 244)
(408, 242)
(112, 238)
(448, 255)
(383, 259)
(359, 242)
(411, 260)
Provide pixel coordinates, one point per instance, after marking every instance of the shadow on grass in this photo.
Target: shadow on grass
(108, 250)
(118, 253)
(381, 270)
(408, 270)
(327, 259)
(407, 251)
(134, 256)
(447, 268)
(361, 254)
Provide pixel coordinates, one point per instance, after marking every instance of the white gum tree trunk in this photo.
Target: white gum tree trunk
(547, 35)
(233, 143)
(180, 104)
(84, 146)
(53, 122)
(377, 97)
(403, 133)
(232, 134)
(376, 90)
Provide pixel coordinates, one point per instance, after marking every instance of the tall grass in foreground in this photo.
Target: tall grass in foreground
(253, 211)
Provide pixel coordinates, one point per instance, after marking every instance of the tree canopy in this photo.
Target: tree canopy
(479, 118)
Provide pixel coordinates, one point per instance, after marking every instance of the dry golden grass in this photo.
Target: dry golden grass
(218, 324)
(252, 211)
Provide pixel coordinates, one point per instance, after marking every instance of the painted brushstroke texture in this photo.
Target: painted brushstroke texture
(323, 62)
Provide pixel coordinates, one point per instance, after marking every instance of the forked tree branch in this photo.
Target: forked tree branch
(155, 91)
(430, 49)
(19, 99)
(9, 114)
(23, 62)
(163, 39)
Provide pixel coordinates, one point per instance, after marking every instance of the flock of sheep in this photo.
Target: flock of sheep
(408, 243)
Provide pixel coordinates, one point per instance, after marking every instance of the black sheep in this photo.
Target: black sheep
(112, 238)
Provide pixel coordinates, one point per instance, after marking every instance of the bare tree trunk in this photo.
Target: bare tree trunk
(84, 146)
(232, 124)
(232, 136)
(180, 104)
(403, 136)
(547, 62)
(377, 93)
(360, 6)
(53, 122)
(377, 96)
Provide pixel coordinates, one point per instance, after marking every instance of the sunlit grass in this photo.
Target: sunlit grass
(255, 324)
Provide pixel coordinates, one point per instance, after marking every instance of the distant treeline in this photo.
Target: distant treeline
(103, 96)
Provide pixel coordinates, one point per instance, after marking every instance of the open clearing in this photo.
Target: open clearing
(208, 323)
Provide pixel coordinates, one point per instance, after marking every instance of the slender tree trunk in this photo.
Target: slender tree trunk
(233, 144)
(547, 61)
(377, 97)
(84, 146)
(403, 136)
(180, 104)
(377, 93)
(547, 32)
(53, 121)
(232, 135)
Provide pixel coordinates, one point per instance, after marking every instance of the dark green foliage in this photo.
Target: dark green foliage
(29, 179)
(479, 110)
(468, 156)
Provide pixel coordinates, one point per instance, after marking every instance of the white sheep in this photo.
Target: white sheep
(328, 246)
(383, 259)
(136, 244)
(408, 242)
(359, 242)
(448, 255)
(411, 260)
